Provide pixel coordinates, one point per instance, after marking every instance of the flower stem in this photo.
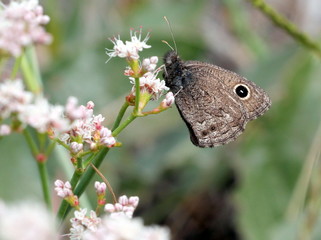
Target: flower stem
(287, 26)
(137, 96)
(120, 115)
(45, 183)
(16, 67)
(41, 167)
(50, 148)
(124, 124)
(30, 71)
(31, 143)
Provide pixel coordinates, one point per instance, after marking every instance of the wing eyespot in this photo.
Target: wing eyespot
(242, 91)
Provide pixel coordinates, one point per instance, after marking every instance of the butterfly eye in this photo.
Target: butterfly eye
(242, 91)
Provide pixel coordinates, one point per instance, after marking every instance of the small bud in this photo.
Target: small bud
(100, 187)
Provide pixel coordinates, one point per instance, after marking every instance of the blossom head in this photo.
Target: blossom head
(129, 49)
(21, 24)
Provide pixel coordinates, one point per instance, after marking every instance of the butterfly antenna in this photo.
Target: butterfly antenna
(168, 45)
(171, 31)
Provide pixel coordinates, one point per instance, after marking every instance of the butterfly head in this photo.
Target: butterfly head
(173, 72)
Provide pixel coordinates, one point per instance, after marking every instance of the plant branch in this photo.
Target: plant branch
(120, 115)
(287, 26)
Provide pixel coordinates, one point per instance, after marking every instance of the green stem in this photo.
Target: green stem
(45, 183)
(16, 67)
(41, 167)
(31, 143)
(89, 160)
(29, 67)
(50, 148)
(120, 115)
(2, 63)
(62, 144)
(137, 96)
(124, 124)
(287, 26)
(42, 141)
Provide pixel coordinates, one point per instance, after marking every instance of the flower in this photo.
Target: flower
(149, 64)
(73, 111)
(13, 97)
(26, 220)
(136, 40)
(123, 228)
(129, 49)
(4, 130)
(150, 84)
(82, 223)
(86, 129)
(21, 25)
(41, 115)
(169, 100)
(63, 189)
(125, 206)
(100, 187)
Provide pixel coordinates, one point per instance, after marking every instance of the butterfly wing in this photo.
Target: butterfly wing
(212, 111)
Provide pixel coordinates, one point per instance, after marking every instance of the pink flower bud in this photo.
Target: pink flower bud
(5, 130)
(123, 200)
(100, 187)
(109, 208)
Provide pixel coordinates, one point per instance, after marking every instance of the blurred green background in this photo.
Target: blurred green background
(238, 191)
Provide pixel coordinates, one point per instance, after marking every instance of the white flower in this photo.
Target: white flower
(149, 83)
(100, 187)
(63, 189)
(149, 64)
(123, 228)
(124, 207)
(13, 97)
(129, 49)
(21, 24)
(106, 138)
(76, 147)
(169, 99)
(82, 223)
(73, 111)
(136, 40)
(27, 221)
(42, 115)
(4, 130)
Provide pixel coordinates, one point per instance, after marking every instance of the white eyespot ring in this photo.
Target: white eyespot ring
(242, 91)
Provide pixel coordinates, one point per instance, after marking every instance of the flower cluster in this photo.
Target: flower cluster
(112, 225)
(124, 207)
(123, 228)
(21, 24)
(64, 191)
(26, 220)
(82, 223)
(13, 97)
(86, 129)
(129, 49)
(76, 125)
(146, 71)
(150, 84)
